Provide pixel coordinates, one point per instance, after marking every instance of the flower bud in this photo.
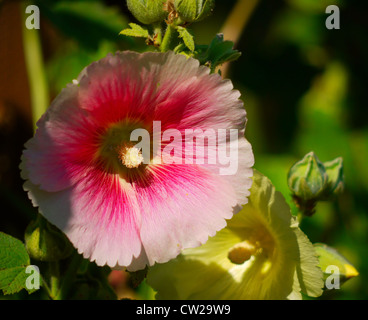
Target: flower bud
(335, 177)
(329, 257)
(147, 11)
(308, 178)
(193, 10)
(45, 242)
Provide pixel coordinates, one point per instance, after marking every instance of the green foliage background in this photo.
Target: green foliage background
(304, 88)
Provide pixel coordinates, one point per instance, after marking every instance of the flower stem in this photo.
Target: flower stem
(46, 287)
(167, 39)
(35, 70)
(69, 277)
(54, 279)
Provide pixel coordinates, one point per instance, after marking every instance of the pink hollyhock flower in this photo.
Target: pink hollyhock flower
(88, 179)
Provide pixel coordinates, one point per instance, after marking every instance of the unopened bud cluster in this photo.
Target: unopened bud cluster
(154, 11)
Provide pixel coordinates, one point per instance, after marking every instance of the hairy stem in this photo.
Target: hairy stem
(167, 39)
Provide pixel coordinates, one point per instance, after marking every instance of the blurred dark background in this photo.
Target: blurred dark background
(304, 88)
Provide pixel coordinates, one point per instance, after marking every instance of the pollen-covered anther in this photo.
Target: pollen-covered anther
(131, 157)
(241, 252)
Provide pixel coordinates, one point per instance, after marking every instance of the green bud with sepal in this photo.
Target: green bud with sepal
(311, 180)
(193, 10)
(44, 242)
(148, 11)
(307, 178)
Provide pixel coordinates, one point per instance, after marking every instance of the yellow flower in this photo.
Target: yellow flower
(261, 254)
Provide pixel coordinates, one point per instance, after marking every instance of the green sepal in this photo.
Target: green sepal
(335, 177)
(187, 38)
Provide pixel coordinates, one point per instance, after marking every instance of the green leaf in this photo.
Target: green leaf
(331, 257)
(187, 37)
(14, 260)
(218, 49)
(13, 280)
(135, 31)
(12, 252)
(230, 56)
(217, 52)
